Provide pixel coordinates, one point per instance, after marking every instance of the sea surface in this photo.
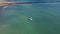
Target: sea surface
(45, 19)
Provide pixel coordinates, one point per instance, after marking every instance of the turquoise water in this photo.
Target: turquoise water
(46, 19)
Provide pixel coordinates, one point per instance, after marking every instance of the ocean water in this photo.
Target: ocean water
(45, 19)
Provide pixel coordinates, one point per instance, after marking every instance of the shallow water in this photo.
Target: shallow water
(46, 19)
